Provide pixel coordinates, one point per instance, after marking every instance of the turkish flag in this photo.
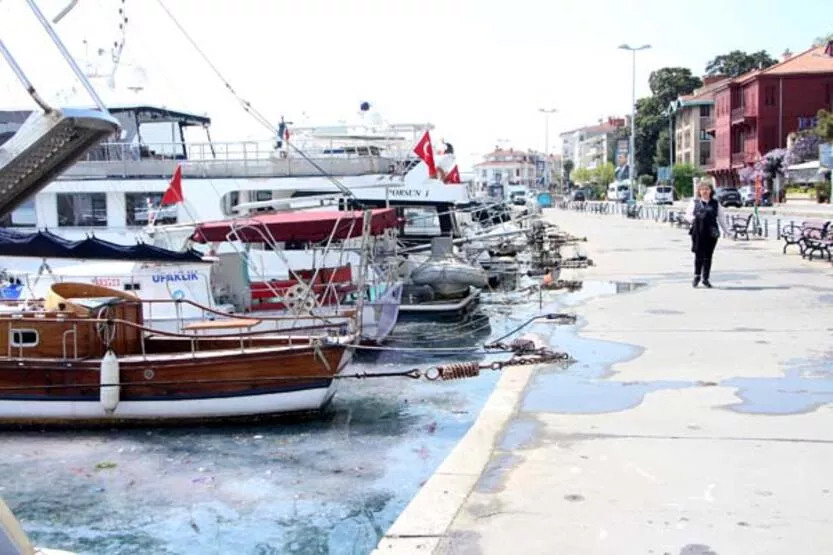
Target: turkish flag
(453, 176)
(173, 195)
(425, 151)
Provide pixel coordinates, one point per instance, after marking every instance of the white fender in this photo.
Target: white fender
(109, 396)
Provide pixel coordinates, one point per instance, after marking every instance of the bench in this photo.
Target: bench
(679, 219)
(799, 235)
(740, 225)
(818, 239)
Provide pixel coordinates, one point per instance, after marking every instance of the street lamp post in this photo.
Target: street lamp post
(547, 113)
(632, 148)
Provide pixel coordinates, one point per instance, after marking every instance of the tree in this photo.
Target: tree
(824, 126)
(666, 84)
(649, 123)
(604, 175)
(581, 175)
(661, 154)
(805, 148)
(567, 167)
(670, 82)
(821, 41)
(738, 62)
(683, 177)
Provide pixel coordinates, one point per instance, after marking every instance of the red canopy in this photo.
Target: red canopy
(310, 225)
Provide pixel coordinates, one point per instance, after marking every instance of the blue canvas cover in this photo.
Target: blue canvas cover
(44, 244)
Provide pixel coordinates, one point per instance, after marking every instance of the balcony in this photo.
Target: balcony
(742, 114)
(738, 158)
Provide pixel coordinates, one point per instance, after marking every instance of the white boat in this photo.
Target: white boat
(314, 284)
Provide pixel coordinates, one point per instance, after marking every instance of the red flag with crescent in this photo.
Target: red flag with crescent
(173, 195)
(425, 151)
(453, 176)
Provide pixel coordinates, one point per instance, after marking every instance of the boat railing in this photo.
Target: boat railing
(235, 158)
(245, 337)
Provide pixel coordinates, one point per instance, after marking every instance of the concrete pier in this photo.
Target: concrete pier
(737, 459)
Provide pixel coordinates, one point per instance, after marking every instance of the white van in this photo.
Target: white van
(618, 191)
(659, 194)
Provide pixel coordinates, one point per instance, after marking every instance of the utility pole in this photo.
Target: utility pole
(632, 148)
(547, 113)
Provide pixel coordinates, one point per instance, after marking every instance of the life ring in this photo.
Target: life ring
(299, 298)
(178, 294)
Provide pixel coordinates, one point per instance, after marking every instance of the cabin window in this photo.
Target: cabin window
(22, 216)
(132, 286)
(421, 221)
(24, 338)
(82, 209)
(143, 208)
(229, 201)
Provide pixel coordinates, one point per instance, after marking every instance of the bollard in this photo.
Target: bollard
(766, 229)
(778, 226)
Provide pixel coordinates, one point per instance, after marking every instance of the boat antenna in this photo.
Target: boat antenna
(65, 53)
(251, 110)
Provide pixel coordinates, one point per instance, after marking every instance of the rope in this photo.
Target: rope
(251, 110)
(452, 371)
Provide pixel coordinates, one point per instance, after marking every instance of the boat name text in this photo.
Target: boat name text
(191, 275)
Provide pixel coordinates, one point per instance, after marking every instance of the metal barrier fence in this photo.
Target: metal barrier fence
(756, 227)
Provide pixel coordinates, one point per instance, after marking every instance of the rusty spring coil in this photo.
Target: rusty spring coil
(457, 371)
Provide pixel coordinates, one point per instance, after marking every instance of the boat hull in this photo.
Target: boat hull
(182, 387)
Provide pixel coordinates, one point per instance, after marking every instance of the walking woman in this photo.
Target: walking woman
(707, 219)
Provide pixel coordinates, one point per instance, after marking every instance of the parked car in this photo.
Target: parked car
(518, 197)
(659, 194)
(747, 196)
(619, 191)
(579, 195)
(728, 196)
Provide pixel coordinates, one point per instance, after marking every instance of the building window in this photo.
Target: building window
(483, 174)
(24, 338)
(143, 208)
(769, 95)
(517, 172)
(705, 154)
(705, 111)
(704, 136)
(82, 209)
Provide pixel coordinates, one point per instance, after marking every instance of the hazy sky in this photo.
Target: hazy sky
(478, 69)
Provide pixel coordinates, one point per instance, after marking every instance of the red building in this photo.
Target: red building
(755, 112)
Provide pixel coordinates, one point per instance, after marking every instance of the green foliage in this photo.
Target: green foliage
(649, 123)
(821, 41)
(661, 153)
(604, 175)
(568, 166)
(646, 180)
(581, 175)
(824, 127)
(683, 177)
(738, 62)
(670, 82)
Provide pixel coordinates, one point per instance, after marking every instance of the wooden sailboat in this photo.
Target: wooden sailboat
(85, 355)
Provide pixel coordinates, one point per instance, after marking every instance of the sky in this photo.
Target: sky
(479, 70)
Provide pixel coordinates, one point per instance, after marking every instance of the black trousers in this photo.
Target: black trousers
(703, 257)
